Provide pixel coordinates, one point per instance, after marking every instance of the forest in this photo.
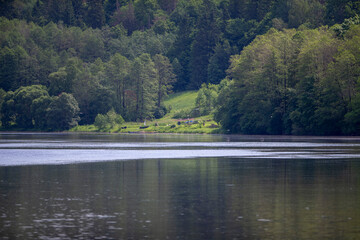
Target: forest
(260, 66)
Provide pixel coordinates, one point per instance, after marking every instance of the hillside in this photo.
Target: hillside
(68, 62)
(178, 103)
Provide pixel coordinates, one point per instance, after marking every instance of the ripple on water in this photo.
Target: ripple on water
(263, 220)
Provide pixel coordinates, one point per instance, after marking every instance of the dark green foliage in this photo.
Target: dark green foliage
(32, 107)
(219, 62)
(126, 17)
(102, 100)
(39, 111)
(117, 71)
(8, 114)
(166, 78)
(95, 13)
(294, 82)
(341, 29)
(338, 10)
(63, 112)
(309, 12)
(206, 38)
(145, 12)
(23, 99)
(116, 54)
(12, 61)
(160, 111)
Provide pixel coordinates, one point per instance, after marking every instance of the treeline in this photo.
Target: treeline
(198, 36)
(32, 107)
(302, 82)
(89, 65)
(127, 55)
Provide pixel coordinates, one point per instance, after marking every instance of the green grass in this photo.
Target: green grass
(84, 128)
(183, 101)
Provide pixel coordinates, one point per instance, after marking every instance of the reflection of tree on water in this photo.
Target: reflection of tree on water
(194, 198)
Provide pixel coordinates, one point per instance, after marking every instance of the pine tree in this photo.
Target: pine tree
(166, 77)
(206, 37)
(96, 14)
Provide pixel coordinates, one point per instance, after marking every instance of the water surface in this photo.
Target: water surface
(66, 186)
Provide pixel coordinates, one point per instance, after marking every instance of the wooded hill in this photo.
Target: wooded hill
(290, 66)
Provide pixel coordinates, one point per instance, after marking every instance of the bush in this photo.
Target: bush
(161, 111)
(100, 121)
(110, 119)
(63, 112)
(182, 114)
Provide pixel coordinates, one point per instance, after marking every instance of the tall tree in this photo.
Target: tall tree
(144, 77)
(166, 77)
(95, 14)
(206, 37)
(126, 16)
(219, 62)
(310, 12)
(145, 12)
(117, 71)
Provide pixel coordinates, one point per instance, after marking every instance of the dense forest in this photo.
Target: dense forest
(262, 66)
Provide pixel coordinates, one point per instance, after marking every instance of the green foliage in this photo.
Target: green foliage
(342, 29)
(109, 120)
(352, 118)
(23, 99)
(101, 121)
(205, 101)
(181, 101)
(219, 62)
(293, 82)
(182, 114)
(32, 107)
(39, 111)
(144, 76)
(337, 11)
(161, 111)
(310, 12)
(117, 71)
(129, 55)
(96, 13)
(145, 11)
(8, 114)
(206, 37)
(63, 112)
(11, 67)
(166, 78)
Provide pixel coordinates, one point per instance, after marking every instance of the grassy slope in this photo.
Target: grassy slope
(179, 102)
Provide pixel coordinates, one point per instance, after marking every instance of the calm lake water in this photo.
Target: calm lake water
(87, 186)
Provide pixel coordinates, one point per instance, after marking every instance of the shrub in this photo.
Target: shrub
(109, 119)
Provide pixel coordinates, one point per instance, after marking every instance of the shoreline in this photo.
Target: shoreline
(280, 138)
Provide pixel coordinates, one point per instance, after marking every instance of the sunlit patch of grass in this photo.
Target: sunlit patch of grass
(84, 128)
(179, 102)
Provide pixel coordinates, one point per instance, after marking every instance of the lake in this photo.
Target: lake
(163, 186)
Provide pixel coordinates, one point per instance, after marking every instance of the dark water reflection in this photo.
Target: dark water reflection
(193, 198)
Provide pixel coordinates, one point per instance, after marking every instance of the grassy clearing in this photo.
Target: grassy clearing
(184, 101)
